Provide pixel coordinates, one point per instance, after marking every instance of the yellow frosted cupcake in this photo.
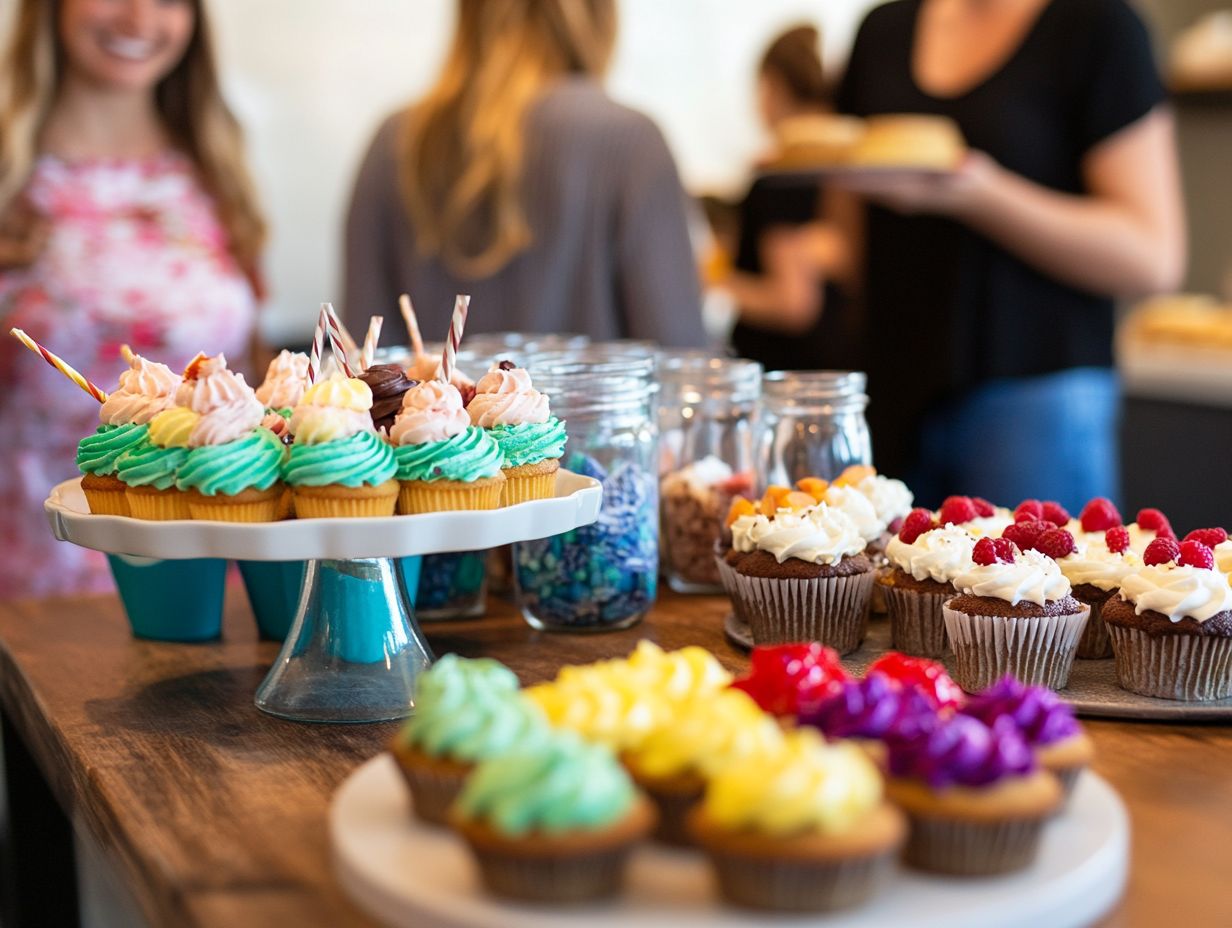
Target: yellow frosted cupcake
(149, 470)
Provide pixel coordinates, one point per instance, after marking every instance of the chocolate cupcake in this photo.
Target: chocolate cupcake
(388, 383)
(1095, 571)
(919, 579)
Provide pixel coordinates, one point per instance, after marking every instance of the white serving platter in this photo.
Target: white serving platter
(576, 503)
(408, 874)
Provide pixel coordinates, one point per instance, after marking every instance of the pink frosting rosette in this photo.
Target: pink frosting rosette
(505, 396)
(431, 411)
(285, 380)
(227, 405)
(146, 389)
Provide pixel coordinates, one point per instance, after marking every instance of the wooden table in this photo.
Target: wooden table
(215, 814)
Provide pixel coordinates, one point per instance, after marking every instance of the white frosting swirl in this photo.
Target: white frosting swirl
(940, 554)
(1139, 538)
(859, 508)
(431, 411)
(285, 379)
(1033, 577)
(890, 498)
(1178, 591)
(316, 425)
(146, 389)
(1223, 557)
(990, 526)
(1094, 564)
(820, 535)
(506, 397)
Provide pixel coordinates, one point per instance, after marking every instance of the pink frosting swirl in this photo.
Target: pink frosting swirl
(285, 379)
(226, 404)
(507, 397)
(431, 411)
(146, 389)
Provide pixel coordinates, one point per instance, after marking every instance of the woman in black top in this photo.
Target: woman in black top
(989, 295)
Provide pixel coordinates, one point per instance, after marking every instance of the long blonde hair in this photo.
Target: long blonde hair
(462, 147)
(188, 100)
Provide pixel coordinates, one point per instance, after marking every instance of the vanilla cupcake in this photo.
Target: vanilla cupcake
(531, 439)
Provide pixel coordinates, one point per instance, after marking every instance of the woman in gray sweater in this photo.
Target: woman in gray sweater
(517, 180)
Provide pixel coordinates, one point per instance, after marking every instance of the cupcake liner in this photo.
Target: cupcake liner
(727, 577)
(155, 505)
(433, 789)
(962, 848)
(248, 506)
(417, 496)
(1095, 642)
(310, 504)
(794, 885)
(1191, 668)
(832, 610)
(564, 878)
(111, 500)
(522, 488)
(1037, 649)
(1068, 778)
(673, 800)
(917, 625)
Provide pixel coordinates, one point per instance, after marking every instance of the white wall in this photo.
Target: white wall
(311, 78)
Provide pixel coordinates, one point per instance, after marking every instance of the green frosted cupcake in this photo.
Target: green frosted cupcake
(97, 455)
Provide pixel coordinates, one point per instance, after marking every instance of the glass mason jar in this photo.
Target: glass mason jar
(811, 424)
(452, 586)
(602, 576)
(707, 406)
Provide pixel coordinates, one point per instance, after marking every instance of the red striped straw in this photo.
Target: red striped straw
(59, 364)
(333, 328)
(370, 339)
(449, 359)
(318, 347)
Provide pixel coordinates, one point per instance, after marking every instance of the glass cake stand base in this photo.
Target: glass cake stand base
(354, 652)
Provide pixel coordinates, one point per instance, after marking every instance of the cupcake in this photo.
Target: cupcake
(233, 465)
(923, 561)
(802, 829)
(776, 498)
(145, 389)
(975, 795)
(388, 383)
(150, 468)
(531, 439)
(891, 500)
(1095, 572)
(701, 738)
(1171, 624)
(1046, 722)
(978, 516)
(443, 462)
(788, 680)
(285, 381)
(872, 712)
(338, 465)
(802, 577)
(928, 678)
(553, 821)
(1014, 615)
(466, 711)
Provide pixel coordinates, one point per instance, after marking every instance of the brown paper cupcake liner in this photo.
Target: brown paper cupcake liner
(673, 809)
(1191, 668)
(432, 790)
(567, 878)
(972, 848)
(154, 505)
(917, 625)
(727, 577)
(793, 885)
(418, 496)
(1095, 642)
(832, 610)
(1037, 649)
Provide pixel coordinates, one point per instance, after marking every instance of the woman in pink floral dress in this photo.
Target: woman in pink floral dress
(126, 216)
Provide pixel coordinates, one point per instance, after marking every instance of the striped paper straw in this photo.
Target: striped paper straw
(59, 364)
(456, 325)
(333, 328)
(370, 340)
(412, 325)
(318, 347)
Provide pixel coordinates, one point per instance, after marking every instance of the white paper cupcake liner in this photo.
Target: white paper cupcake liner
(1095, 642)
(1038, 649)
(727, 577)
(1186, 667)
(917, 625)
(832, 610)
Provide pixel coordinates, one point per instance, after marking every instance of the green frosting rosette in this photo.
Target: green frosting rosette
(148, 465)
(362, 458)
(468, 456)
(559, 784)
(471, 710)
(530, 442)
(97, 454)
(253, 461)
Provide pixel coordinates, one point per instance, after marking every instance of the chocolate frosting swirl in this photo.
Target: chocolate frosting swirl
(388, 382)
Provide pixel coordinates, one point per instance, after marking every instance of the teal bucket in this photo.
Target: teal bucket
(171, 600)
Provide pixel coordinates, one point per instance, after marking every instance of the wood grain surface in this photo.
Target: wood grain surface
(215, 814)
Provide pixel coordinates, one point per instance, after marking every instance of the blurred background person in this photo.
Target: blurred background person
(516, 179)
(791, 315)
(989, 294)
(126, 216)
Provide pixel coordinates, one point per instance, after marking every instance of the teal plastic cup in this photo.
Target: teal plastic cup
(171, 600)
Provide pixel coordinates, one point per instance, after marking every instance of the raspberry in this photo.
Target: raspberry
(1056, 514)
(1006, 550)
(1026, 534)
(956, 509)
(1152, 520)
(1195, 554)
(983, 508)
(1117, 539)
(1162, 550)
(1099, 515)
(1029, 510)
(918, 522)
(1208, 536)
(1056, 543)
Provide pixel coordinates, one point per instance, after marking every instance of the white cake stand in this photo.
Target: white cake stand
(354, 650)
(410, 875)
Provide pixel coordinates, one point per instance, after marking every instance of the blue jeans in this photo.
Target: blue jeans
(1048, 437)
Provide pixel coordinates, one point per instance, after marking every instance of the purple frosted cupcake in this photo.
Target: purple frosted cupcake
(1046, 722)
(975, 794)
(872, 712)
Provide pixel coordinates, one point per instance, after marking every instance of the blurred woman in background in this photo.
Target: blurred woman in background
(790, 314)
(989, 293)
(126, 216)
(519, 181)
